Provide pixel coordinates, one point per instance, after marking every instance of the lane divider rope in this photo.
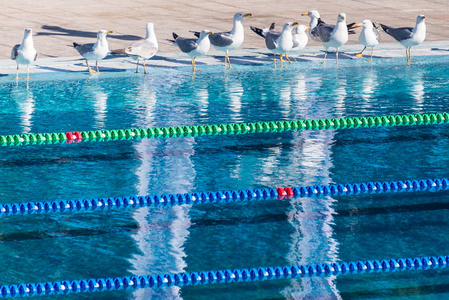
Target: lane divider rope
(52, 207)
(223, 276)
(223, 129)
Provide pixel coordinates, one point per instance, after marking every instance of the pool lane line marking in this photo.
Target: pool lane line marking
(169, 200)
(223, 129)
(224, 276)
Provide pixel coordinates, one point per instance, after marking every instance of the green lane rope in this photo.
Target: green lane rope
(222, 129)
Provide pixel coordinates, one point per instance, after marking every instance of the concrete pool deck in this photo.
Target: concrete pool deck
(57, 24)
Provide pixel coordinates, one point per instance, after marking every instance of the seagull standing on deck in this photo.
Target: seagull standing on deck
(194, 47)
(333, 36)
(94, 51)
(145, 49)
(369, 37)
(278, 42)
(25, 53)
(407, 36)
(314, 17)
(230, 40)
(300, 38)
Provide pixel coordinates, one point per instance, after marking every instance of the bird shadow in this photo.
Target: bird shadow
(61, 31)
(438, 49)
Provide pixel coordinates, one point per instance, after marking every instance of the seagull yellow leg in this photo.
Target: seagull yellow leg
(337, 58)
(88, 67)
(193, 65)
(372, 51)
(325, 55)
(17, 72)
(282, 60)
(96, 64)
(229, 62)
(360, 53)
(274, 59)
(144, 71)
(409, 57)
(286, 56)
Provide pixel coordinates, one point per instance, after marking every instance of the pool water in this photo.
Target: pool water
(150, 241)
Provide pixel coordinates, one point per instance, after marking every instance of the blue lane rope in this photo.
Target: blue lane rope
(222, 276)
(50, 207)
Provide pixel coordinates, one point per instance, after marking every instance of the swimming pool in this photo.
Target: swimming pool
(158, 240)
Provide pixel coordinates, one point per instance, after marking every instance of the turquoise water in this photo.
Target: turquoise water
(147, 241)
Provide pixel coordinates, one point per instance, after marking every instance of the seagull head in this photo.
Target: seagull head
(241, 16)
(103, 33)
(365, 24)
(150, 26)
(205, 33)
(312, 14)
(302, 28)
(341, 17)
(289, 25)
(28, 32)
(420, 18)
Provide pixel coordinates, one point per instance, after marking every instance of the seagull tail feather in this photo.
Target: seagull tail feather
(175, 36)
(196, 33)
(257, 31)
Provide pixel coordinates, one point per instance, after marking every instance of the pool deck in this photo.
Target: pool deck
(56, 25)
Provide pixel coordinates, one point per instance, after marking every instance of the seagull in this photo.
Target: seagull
(25, 53)
(300, 38)
(94, 51)
(230, 40)
(408, 36)
(315, 19)
(369, 37)
(194, 47)
(144, 49)
(333, 36)
(278, 42)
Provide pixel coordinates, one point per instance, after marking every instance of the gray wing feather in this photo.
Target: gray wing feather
(14, 52)
(271, 38)
(82, 49)
(221, 39)
(144, 49)
(186, 45)
(325, 31)
(399, 34)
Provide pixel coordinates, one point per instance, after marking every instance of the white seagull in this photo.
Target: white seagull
(94, 51)
(194, 47)
(144, 49)
(314, 17)
(408, 36)
(230, 40)
(25, 53)
(278, 42)
(300, 38)
(369, 37)
(333, 36)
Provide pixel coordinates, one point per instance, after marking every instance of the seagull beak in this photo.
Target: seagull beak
(295, 23)
(304, 14)
(308, 27)
(358, 25)
(210, 32)
(248, 15)
(110, 31)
